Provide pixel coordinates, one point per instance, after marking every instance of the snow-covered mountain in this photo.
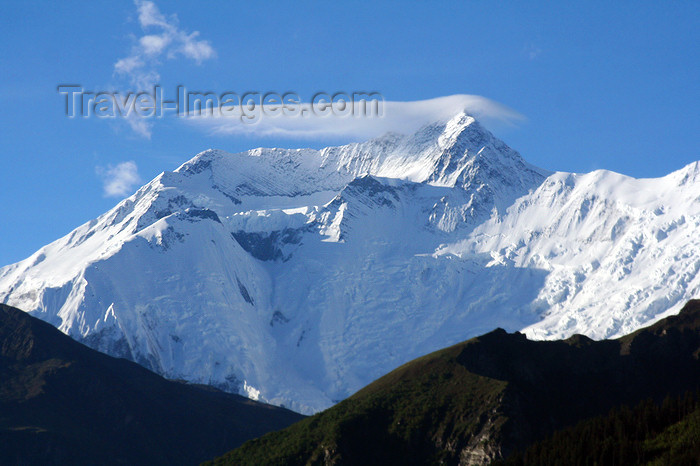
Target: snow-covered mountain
(298, 276)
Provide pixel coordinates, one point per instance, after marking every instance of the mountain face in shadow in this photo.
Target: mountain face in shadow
(63, 403)
(483, 399)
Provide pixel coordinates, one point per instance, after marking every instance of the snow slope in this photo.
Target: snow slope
(298, 276)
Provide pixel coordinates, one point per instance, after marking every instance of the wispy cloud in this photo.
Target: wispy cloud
(162, 39)
(531, 51)
(400, 117)
(119, 180)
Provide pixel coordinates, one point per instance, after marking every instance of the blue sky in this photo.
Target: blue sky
(599, 85)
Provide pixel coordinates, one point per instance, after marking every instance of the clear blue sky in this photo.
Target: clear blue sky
(609, 85)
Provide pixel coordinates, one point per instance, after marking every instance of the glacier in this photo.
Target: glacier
(297, 276)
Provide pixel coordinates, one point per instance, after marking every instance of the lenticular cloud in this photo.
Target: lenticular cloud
(395, 116)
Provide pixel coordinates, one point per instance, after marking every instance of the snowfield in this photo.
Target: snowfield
(296, 277)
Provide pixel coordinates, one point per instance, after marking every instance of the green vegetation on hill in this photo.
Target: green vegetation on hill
(651, 434)
(486, 398)
(387, 422)
(421, 413)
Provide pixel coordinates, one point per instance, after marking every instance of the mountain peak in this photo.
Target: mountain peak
(437, 153)
(460, 122)
(202, 274)
(200, 162)
(449, 127)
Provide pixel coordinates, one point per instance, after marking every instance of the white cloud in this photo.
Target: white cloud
(150, 15)
(197, 50)
(120, 180)
(140, 125)
(128, 64)
(531, 51)
(400, 117)
(162, 38)
(153, 45)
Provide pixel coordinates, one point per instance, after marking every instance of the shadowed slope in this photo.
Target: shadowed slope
(484, 398)
(63, 403)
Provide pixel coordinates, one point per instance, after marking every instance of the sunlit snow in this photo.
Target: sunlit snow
(298, 276)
